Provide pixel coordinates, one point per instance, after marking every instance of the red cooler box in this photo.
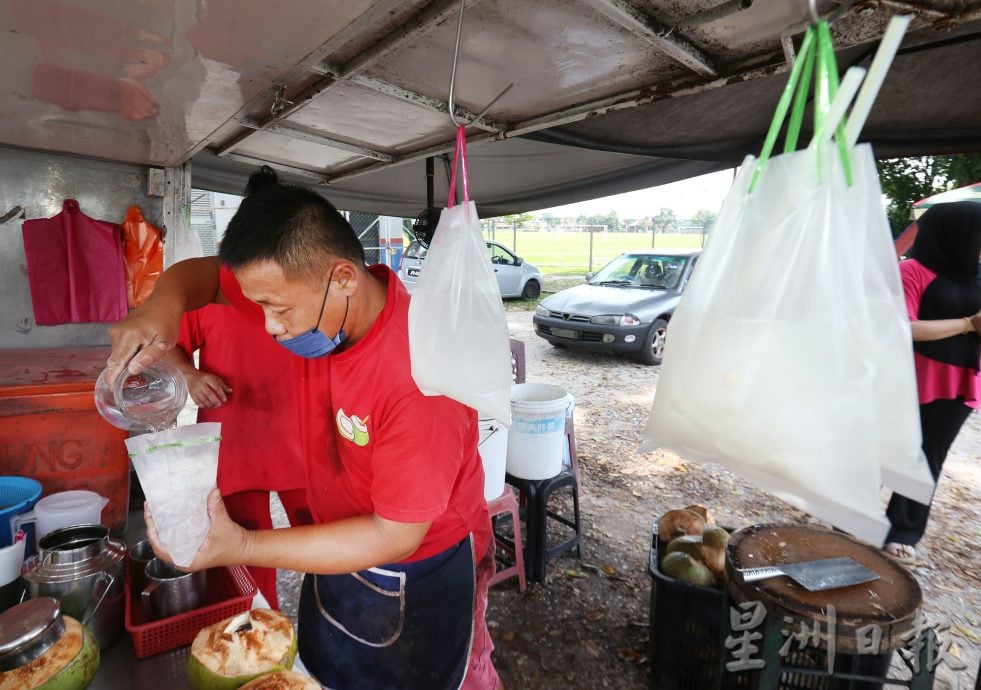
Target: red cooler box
(51, 431)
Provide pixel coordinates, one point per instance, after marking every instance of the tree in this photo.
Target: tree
(907, 180)
(551, 220)
(519, 219)
(665, 220)
(704, 218)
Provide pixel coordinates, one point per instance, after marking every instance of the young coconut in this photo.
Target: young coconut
(681, 566)
(688, 543)
(70, 663)
(228, 654)
(715, 539)
(677, 523)
(283, 680)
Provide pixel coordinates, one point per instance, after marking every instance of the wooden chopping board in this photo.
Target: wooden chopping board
(891, 602)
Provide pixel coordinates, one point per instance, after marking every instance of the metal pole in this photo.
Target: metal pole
(653, 233)
(430, 181)
(590, 248)
(514, 235)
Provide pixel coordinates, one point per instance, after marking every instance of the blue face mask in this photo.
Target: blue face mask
(315, 343)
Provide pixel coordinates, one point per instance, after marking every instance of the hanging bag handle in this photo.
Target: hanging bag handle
(459, 153)
(783, 105)
(816, 57)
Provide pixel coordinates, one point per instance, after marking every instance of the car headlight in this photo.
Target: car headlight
(541, 311)
(616, 320)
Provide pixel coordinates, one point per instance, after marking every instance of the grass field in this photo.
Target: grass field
(567, 253)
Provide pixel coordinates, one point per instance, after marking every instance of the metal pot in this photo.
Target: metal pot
(29, 656)
(84, 570)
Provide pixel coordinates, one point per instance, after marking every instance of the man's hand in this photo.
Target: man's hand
(207, 390)
(141, 338)
(227, 543)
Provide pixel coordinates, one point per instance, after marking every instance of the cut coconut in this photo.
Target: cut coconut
(703, 511)
(232, 652)
(283, 680)
(70, 663)
(677, 523)
(714, 542)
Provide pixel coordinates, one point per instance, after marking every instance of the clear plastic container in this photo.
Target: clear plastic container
(148, 401)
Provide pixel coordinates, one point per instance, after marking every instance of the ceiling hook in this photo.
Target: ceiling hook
(456, 55)
(813, 11)
(843, 7)
(279, 103)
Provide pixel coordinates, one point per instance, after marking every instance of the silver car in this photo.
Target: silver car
(515, 276)
(625, 307)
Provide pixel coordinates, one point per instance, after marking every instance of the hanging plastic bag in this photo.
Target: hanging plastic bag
(75, 268)
(177, 470)
(143, 251)
(790, 357)
(458, 333)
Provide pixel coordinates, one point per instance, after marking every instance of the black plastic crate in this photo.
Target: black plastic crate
(688, 629)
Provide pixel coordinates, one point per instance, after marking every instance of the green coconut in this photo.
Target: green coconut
(681, 566)
(68, 664)
(689, 543)
(232, 652)
(284, 680)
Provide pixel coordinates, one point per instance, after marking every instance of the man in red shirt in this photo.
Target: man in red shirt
(394, 597)
(245, 381)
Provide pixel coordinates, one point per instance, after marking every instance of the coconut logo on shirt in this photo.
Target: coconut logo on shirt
(353, 428)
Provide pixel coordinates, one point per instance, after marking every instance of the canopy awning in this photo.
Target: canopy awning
(351, 98)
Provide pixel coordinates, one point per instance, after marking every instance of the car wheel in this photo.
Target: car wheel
(560, 346)
(653, 350)
(532, 290)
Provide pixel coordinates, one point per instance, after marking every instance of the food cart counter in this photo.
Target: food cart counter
(120, 667)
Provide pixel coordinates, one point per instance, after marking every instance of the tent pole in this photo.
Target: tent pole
(430, 179)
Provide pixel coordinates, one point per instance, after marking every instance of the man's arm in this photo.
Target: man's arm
(150, 331)
(344, 546)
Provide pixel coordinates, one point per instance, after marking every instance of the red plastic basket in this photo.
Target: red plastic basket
(230, 591)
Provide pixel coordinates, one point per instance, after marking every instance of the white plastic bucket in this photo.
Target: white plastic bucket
(536, 442)
(493, 449)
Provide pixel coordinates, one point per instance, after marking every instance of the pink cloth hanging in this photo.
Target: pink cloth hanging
(75, 268)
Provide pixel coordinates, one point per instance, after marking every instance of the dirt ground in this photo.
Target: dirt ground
(587, 625)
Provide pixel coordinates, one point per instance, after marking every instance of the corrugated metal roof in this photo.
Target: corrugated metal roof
(351, 97)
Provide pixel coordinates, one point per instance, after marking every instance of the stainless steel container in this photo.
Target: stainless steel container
(84, 570)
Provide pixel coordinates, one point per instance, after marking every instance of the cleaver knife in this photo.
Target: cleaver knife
(815, 576)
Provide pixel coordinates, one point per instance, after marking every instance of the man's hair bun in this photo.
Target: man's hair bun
(263, 179)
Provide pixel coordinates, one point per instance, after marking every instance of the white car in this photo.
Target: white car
(515, 277)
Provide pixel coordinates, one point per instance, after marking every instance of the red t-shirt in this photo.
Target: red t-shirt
(375, 444)
(260, 448)
(935, 380)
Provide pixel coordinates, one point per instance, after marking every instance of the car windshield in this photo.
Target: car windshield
(642, 270)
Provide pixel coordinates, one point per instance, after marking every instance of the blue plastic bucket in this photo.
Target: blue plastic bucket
(17, 495)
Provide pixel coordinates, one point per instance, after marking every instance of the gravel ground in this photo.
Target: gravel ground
(587, 626)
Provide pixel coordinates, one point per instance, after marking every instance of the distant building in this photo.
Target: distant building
(641, 225)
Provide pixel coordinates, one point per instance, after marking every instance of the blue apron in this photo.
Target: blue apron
(395, 627)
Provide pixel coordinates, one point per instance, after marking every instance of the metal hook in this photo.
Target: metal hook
(813, 11)
(843, 7)
(456, 55)
(279, 101)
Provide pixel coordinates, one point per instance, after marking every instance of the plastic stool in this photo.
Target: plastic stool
(503, 504)
(535, 494)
